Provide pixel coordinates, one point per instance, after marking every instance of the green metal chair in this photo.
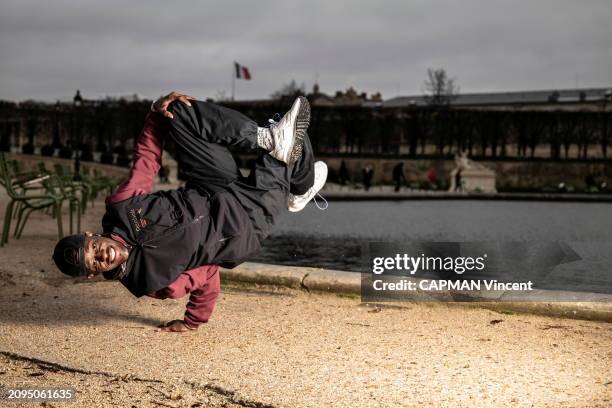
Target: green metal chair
(25, 182)
(109, 182)
(83, 188)
(94, 184)
(28, 203)
(65, 189)
(57, 187)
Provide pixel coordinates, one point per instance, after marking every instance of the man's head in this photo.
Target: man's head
(88, 254)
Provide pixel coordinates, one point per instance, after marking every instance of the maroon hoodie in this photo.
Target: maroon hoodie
(201, 283)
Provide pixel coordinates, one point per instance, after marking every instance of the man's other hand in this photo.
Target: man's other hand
(161, 105)
(175, 326)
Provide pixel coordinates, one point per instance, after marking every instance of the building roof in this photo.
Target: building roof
(508, 98)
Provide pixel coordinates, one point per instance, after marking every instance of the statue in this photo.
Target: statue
(470, 176)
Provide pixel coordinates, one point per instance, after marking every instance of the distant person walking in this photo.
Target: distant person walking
(398, 176)
(344, 175)
(458, 186)
(368, 174)
(591, 185)
(432, 177)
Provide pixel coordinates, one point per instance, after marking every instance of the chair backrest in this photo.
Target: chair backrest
(15, 166)
(3, 168)
(59, 169)
(42, 167)
(54, 185)
(6, 176)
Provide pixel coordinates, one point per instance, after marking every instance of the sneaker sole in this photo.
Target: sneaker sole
(301, 126)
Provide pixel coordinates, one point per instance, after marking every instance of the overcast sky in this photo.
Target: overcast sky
(48, 49)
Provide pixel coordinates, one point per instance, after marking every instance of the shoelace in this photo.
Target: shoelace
(317, 203)
(275, 118)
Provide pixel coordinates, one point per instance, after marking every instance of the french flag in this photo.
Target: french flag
(242, 72)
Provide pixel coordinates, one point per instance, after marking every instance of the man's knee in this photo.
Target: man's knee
(180, 112)
(185, 126)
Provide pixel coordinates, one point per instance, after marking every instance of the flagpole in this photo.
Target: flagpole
(233, 80)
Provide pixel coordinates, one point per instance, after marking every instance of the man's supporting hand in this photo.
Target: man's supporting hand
(175, 326)
(161, 105)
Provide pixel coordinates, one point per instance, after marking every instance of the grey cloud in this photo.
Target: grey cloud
(48, 49)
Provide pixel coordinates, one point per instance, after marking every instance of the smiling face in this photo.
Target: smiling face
(103, 254)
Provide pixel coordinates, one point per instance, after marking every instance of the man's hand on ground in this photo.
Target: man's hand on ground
(175, 326)
(161, 105)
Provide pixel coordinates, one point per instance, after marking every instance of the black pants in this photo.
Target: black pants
(203, 135)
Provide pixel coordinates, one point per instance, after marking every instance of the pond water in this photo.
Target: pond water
(333, 238)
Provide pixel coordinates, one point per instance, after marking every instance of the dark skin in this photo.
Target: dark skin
(104, 254)
(161, 105)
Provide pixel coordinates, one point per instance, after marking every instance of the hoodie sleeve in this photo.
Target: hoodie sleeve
(202, 300)
(203, 286)
(147, 159)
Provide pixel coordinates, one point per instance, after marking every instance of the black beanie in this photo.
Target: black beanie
(69, 255)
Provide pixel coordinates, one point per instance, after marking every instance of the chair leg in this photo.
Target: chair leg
(79, 215)
(71, 216)
(8, 215)
(84, 199)
(19, 218)
(16, 209)
(23, 222)
(58, 213)
(75, 209)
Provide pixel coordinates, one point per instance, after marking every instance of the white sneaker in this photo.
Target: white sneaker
(297, 203)
(288, 133)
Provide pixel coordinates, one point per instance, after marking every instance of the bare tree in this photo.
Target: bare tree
(439, 89)
(221, 96)
(292, 89)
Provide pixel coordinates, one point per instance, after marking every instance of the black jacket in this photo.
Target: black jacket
(177, 230)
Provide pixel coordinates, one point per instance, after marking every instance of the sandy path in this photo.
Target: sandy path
(284, 347)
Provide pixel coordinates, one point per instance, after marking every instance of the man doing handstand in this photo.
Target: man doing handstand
(170, 243)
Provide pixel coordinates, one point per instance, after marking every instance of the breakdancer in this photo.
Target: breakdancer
(170, 243)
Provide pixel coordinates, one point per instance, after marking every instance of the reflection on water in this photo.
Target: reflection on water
(332, 239)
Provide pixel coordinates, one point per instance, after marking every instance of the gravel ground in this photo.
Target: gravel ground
(268, 346)
(104, 389)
